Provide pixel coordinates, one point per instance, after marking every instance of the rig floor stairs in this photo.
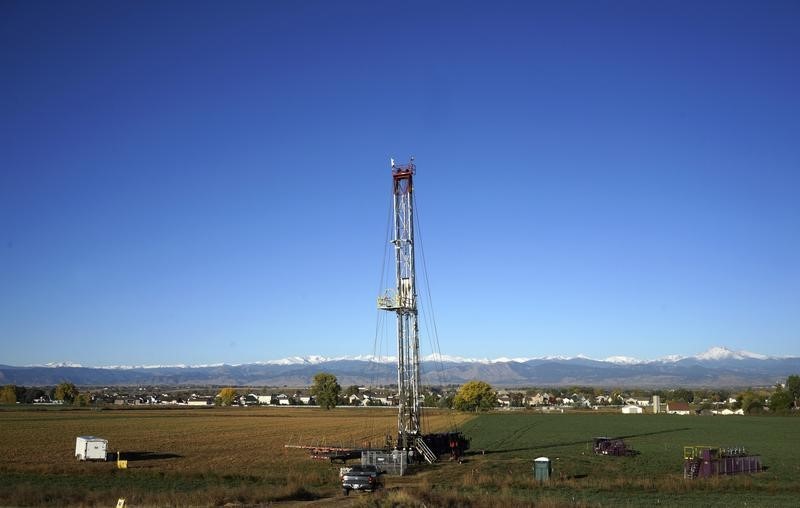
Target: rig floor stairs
(426, 452)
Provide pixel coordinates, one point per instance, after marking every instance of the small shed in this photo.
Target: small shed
(90, 448)
(542, 469)
(631, 410)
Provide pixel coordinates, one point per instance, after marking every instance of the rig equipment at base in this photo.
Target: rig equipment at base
(708, 461)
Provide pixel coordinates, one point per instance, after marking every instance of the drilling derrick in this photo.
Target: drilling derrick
(412, 446)
(402, 300)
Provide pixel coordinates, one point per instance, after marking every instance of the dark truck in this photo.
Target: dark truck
(367, 478)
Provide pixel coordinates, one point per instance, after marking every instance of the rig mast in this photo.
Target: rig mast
(402, 300)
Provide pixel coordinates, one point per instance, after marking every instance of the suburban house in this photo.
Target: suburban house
(251, 399)
(356, 399)
(632, 409)
(504, 401)
(264, 399)
(200, 400)
(678, 408)
(283, 399)
(726, 412)
(602, 399)
(537, 400)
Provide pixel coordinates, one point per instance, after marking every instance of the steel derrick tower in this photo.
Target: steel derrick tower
(402, 300)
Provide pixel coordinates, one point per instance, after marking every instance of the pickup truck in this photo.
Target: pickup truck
(367, 478)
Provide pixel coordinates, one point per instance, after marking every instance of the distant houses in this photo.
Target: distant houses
(678, 408)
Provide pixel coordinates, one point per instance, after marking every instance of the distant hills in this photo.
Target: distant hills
(717, 367)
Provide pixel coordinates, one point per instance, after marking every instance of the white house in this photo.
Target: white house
(283, 399)
(264, 399)
(602, 399)
(631, 409)
(198, 400)
(355, 399)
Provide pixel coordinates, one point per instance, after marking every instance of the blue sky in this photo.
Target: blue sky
(198, 183)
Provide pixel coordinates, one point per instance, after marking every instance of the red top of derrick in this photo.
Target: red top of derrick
(403, 170)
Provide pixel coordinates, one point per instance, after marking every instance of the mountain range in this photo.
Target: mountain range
(717, 367)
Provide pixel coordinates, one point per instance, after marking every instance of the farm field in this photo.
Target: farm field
(235, 456)
(180, 457)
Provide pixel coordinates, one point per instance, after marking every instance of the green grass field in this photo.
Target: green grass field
(654, 476)
(235, 456)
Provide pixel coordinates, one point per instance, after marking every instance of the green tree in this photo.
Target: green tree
(517, 399)
(446, 402)
(781, 401)
(66, 392)
(8, 395)
(30, 394)
(793, 386)
(752, 403)
(226, 396)
(430, 400)
(475, 396)
(351, 390)
(683, 394)
(326, 390)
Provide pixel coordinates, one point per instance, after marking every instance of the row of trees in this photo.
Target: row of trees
(479, 395)
(779, 401)
(472, 396)
(325, 390)
(64, 392)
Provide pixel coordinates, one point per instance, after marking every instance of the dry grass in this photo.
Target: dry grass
(180, 457)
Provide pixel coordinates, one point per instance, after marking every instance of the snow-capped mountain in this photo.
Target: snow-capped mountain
(723, 353)
(719, 366)
(53, 365)
(713, 354)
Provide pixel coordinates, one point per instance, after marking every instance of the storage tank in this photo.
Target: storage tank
(90, 448)
(542, 469)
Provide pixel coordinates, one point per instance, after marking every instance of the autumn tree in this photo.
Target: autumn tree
(226, 396)
(8, 395)
(475, 396)
(83, 399)
(326, 390)
(65, 392)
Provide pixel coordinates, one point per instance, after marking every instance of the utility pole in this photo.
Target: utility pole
(402, 300)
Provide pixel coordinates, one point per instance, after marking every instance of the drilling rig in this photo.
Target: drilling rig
(412, 446)
(402, 300)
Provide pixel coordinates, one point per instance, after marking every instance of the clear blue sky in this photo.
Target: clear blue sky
(197, 183)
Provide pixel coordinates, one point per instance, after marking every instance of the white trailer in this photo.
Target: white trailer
(90, 448)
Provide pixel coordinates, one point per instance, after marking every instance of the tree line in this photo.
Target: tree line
(471, 396)
(65, 392)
